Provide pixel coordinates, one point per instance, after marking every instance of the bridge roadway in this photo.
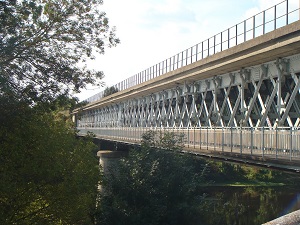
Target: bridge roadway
(241, 104)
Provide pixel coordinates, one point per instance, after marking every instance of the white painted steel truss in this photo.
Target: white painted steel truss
(260, 96)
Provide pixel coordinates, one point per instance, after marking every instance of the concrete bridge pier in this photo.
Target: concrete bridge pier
(108, 160)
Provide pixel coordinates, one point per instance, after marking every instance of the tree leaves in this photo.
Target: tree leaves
(47, 175)
(45, 44)
(153, 185)
(109, 91)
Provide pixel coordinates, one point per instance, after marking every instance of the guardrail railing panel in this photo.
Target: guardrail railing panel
(282, 14)
(279, 142)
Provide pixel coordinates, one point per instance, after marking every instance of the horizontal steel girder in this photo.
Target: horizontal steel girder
(264, 95)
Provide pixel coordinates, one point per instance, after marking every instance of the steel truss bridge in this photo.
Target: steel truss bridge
(237, 93)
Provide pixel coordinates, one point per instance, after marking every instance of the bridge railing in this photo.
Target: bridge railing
(284, 13)
(280, 142)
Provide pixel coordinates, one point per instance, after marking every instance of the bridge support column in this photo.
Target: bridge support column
(108, 160)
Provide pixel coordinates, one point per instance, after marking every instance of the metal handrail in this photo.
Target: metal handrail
(261, 23)
(277, 143)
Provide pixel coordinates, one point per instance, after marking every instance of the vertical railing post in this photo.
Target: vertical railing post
(207, 138)
(191, 55)
(275, 17)
(202, 49)
(228, 37)
(214, 138)
(214, 44)
(173, 62)
(291, 142)
(287, 12)
(222, 139)
(150, 72)
(264, 22)
(245, 31)
(236, 34)
(194, 137)
(196, 52)
(186, 56)
(263, 142)
(153, 71)
(253, 26)
(231, 139)
(251, 141)
(159, 69)
(166, 66)
(241, 142)
(135, 79)
(276, 142)
(134, 134)
(200, 137)
(188, 136)
(222, 41)
(207, 47)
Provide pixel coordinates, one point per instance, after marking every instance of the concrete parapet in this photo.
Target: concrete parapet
(289, 219)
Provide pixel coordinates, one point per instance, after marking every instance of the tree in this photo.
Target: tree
(153, 185)
(109, 91)
(48, 176)
(44, 46)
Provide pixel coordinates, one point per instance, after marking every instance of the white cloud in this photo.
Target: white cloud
(267, 4)
(153, 30)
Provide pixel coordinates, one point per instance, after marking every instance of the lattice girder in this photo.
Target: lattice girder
(262, 95)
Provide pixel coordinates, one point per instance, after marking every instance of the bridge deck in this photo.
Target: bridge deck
(253, 84)
(216, 144)
(282, 42)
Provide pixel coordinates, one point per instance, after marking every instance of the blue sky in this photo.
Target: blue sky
(153, 30)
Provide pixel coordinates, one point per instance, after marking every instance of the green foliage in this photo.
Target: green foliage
(44, 46)
(47, 175)
(226, 173)
(156, 184)
(63, 104)
(109, 91)
(262, 174)
(153, 185)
